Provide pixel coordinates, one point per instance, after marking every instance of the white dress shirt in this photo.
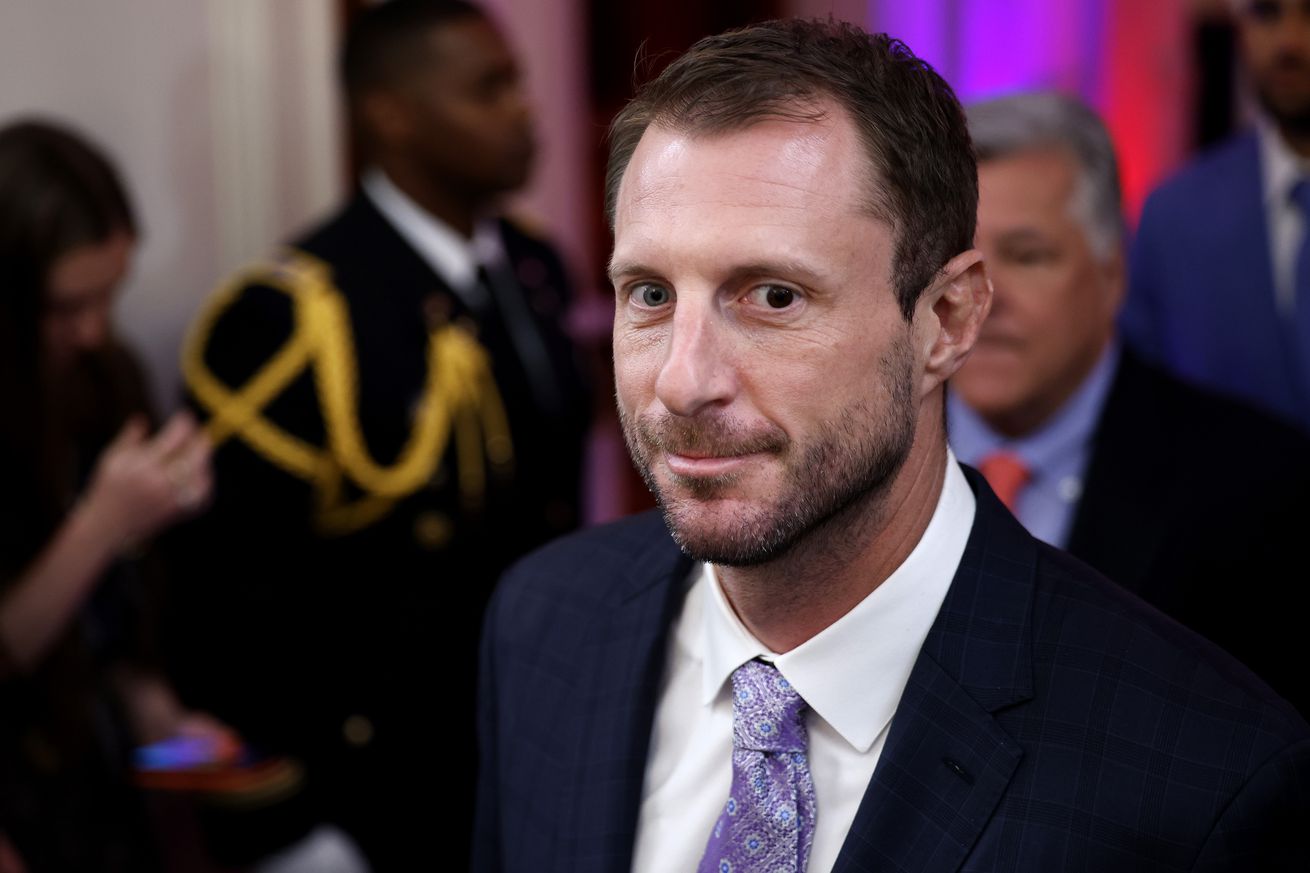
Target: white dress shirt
(851, 674)
(453, 258)
(457, 261)
(1280, 170)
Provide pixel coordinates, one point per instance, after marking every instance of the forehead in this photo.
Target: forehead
(786, 183)
(1032, 181)
(468, 48)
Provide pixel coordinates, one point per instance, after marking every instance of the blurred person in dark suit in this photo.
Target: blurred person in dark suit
(86, 487)
(398, 415)
(837, 650)
(1095, 450)
(1219, 287)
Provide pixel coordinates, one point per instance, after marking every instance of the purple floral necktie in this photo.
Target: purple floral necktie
(768, 822)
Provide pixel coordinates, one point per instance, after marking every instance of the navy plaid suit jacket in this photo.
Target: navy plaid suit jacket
(1051, 722)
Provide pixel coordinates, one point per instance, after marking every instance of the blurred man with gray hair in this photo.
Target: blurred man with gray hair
(1174, 493)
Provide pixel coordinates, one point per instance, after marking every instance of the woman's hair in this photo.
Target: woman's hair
(57, 193)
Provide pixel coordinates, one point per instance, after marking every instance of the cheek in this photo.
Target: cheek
(813, 382)
(638, 356)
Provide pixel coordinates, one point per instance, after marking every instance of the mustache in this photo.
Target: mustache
(716, 436)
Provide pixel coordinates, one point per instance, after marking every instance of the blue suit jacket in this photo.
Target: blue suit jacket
(1051, 722)
(1201, 290)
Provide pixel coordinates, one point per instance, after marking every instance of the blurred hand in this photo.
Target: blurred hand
(143, 484)
(224, 742)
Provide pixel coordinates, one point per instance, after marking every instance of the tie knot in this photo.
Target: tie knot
(1007, 474)
(766, 710)
(1300, 195)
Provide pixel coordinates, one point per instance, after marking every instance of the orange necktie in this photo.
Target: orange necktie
(1007, 475)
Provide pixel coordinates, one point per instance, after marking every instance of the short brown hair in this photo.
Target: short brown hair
(923, 179)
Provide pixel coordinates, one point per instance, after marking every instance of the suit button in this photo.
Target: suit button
(432, 530)
(358, 731)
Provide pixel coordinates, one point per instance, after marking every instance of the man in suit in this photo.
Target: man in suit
(1220, 281)
(398, 416)
(1093, 449)
(837, 650)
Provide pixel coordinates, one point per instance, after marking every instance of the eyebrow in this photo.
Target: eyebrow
(781, 269)
(618, 269)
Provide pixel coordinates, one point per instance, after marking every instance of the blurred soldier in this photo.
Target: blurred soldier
(398, 416)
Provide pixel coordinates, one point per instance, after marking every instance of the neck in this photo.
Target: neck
(443, 201)
(792, 598)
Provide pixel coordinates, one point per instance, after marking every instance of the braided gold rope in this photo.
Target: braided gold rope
(459, 397)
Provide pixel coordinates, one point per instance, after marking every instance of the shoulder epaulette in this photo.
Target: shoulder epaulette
(460, 401)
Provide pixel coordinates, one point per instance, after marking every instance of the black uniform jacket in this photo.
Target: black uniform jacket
(384, 451)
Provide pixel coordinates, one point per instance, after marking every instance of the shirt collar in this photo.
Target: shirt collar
(1281, 168)
(853, 673)
(453, 258)
(1071, 428)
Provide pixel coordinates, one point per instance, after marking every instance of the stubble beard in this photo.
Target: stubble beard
(847, 466)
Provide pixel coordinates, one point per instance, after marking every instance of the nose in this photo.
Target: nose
(697, 373)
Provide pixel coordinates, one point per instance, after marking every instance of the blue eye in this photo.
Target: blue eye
(653, 295)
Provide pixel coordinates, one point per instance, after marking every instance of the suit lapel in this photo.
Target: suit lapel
(947, 762)
(626, 658)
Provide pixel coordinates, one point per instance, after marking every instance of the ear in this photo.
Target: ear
(949, 315)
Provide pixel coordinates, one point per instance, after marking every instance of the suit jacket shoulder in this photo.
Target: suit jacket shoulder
(1231, 162)
(1195, 502)
(572, 654)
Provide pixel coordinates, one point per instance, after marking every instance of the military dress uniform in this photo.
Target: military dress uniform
(386, 447)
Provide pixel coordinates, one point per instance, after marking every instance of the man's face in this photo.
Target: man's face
(1055, 301)
(468, 116)
(765, 377)
(79, 299)
(1275, 37)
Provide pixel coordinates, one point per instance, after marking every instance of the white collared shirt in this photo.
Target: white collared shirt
(453, 258)
(1280, 170)
(851, 674)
